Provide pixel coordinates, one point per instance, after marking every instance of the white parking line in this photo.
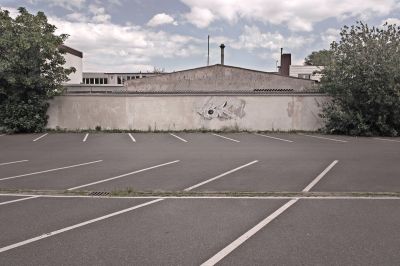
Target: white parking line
(50, 170)
(2, 135)
(266, 136)
(184, 140)
(318, 137)
(69, 228)
(225, 137)
(219, 176)
(21, 161)
(116, 177)
(42, 136)
(232, 246)
(85, 138)
(392, 140)
(320, 176)
(17, 200)
(132, 138)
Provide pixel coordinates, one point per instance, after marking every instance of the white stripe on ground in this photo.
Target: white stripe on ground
(209, 197)
(225, 137)
(132, 138)
(392, 140)
(232, 246)
(219, 176)
(50, 170)
(182, 139)
(127, 174)
(69, 228)
(318, 137)
(42, 136)
(266, 136)
(85, 138)
(320, 176)
(21, 161)
(2, 135)
(17, 200)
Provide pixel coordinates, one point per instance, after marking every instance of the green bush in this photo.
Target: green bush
(363, 80)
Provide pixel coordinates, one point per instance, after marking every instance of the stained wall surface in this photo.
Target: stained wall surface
(186, 112)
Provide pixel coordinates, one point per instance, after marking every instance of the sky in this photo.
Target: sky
(140, 35)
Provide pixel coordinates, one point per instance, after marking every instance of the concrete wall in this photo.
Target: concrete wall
(218, 78)
(179, 112)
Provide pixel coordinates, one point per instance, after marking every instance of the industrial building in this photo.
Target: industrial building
(73, 58)
(98, 78)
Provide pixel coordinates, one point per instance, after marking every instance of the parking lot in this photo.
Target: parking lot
(226, 198)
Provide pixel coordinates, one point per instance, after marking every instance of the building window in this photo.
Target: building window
(105, 81)
(91, 80)
(304, 76)
(119, 80)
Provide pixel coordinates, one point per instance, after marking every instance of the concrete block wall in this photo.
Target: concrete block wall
(186, 112)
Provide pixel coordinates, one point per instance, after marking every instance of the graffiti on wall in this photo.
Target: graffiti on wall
(222, 108)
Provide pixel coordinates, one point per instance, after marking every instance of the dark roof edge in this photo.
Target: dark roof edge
(70, 50)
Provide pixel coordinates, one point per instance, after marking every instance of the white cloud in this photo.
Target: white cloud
(391, 21)
(252, 38)
(201, 17)
(112, 47)
(299, 15)
(329, 36)
(67, 4)
(161, 19)
(13, 12)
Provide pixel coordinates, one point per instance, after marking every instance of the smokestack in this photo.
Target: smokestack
(222, 46)
(286, 61)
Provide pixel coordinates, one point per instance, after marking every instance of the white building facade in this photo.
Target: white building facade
(73, 58)
(306, 72)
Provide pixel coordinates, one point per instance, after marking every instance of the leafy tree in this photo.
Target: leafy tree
(363, 79)
(31, 70)
(318, 58)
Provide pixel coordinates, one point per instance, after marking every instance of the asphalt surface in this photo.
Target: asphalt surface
(78, 230)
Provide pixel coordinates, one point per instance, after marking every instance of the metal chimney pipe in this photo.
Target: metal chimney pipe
(222, 46)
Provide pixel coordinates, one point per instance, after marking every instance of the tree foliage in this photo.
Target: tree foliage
(363, 79)
(31, 70)
(318, 58)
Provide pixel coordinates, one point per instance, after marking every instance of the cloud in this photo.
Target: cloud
(201, 17)
(161, 19)
(299, 15)
(13, 12)
(67, 4)
(329, 36)
(99, 14)
(391, 21)
(252, 38)
(111, 47)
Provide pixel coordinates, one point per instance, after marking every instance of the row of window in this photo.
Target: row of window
(95, 81)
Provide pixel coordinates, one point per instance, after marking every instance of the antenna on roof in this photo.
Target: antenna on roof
(208, 51)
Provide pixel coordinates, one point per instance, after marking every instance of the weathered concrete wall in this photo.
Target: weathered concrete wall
(179, 112)
(218, 78)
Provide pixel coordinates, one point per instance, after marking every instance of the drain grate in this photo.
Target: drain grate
(99, 193)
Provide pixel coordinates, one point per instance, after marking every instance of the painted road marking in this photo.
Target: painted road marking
(85, 138)
(21, 161)
(42, 136)
(225, 137)
(50, 170)
(2, 135)
(392, 140)
(219, 176)
(116, 177)
(132, 138)
(17, 200)
(266, 136)
(232, 246)
(320, 176)
(318, 137)
(69, 228)
(184, 140)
